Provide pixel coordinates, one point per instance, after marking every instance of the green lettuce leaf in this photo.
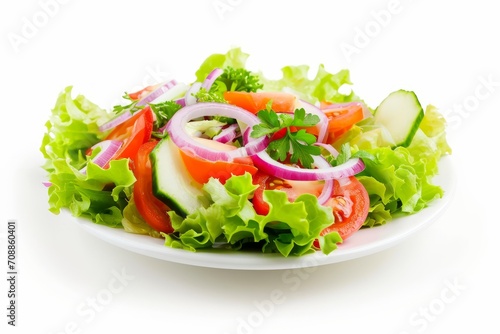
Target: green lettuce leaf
(230, 221)
(133, 222)
(99, 194)
(72, 128)
(234, 58)
(399, 179)
(325, 86)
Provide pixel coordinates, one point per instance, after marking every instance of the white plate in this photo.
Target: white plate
(362, 243)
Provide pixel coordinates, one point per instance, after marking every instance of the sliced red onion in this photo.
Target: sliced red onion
(319, 162)
(126, 114)
(228, 134)
(181, 102)
(328, 148)
(344, 182)
(326, 192)
(160, 90)
(253, 149)
(108, 150)
(122, 117)
(47, 184)
(264, 162)
(323, 120)
(190, 98)
(211, 77)
(172, 94)
(177, 124)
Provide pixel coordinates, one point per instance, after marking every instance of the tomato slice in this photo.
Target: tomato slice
(293, 189)
(350, 204)
(152, 210)
(349, 200)
(264, 181)
(202, 170)
(133, 133)
(241, 99)
(341, 119)
(124, 130)
(254, 102)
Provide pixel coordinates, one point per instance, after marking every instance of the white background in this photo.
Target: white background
(445, 51)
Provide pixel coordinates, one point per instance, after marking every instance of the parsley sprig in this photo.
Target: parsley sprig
(164, 112)
(298, 146)
(131, 107)
(237, 79)
(209, 96)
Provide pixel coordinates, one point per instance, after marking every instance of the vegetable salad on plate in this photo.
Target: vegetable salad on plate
(237, 161)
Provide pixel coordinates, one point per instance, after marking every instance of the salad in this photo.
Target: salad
(237, 161)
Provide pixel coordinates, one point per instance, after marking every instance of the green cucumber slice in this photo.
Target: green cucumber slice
(171, 181)
(401, 113)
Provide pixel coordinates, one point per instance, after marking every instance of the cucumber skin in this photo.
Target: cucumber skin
(416, 122)
(156, 190)
(415, 127)
(159, 193)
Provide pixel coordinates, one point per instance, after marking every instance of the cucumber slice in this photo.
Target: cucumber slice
(401, 113)
(171, 182)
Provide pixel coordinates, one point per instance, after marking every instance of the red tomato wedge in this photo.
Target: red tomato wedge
(133, 133)
(123, 130)
(254, 102)
(282, 132)
(341, 119)
(202, 169)
(152, 210)
(350, 204)
(293, 189)
(349, 200)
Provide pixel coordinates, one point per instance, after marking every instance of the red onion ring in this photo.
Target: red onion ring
(227, 134)
(181, 102)
(160, 90)
(323, 120)
(126, 114)
(122, 117)
(189, 98)
(264, 162)
(211, 77)
(319, 162)
(108, 150)
(177, 124)
(326, 192)
(329, 148)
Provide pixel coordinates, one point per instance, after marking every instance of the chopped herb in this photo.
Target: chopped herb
(296, 145)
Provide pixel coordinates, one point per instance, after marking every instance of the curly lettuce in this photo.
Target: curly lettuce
(234, 58)
(230, 221)
(99, 194)
(325, 86)
(399, 179)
